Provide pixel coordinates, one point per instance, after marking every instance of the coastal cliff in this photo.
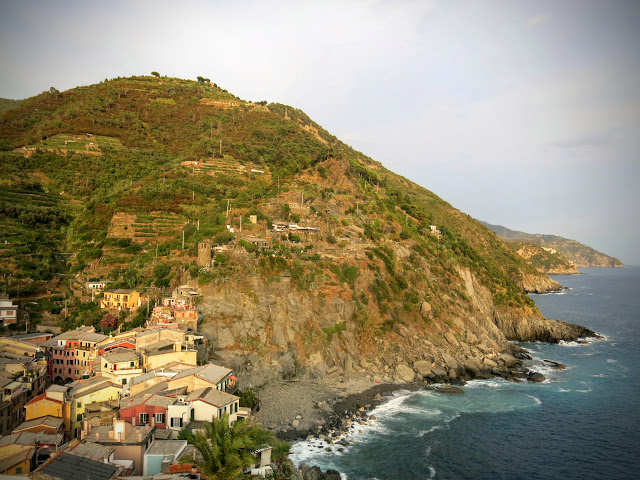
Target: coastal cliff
(270, 331)
(570, 251)
(311, 259)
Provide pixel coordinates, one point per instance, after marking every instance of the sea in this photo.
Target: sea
(582, 422)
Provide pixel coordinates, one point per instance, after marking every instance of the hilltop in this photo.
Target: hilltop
(575, 252)
(365, 274)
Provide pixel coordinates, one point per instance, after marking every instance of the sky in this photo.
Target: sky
(520, 113)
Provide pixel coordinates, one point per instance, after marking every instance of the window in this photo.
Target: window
(144, 418)
(176, 422)
(132, 364)
(159, 417)
(79, 417)
(79, 404)
(18, 470)
(124, 381)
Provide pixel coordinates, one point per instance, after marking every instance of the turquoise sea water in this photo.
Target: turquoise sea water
(581, 423)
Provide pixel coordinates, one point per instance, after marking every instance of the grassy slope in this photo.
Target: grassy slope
(143, 128)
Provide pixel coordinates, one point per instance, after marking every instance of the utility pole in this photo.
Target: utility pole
(220, 147)
(240, 223)
(198, 227)
(182, 239)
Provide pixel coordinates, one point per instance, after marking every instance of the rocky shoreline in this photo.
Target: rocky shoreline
(304, 409)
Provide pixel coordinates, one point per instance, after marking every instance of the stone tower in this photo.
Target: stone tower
(204, 254)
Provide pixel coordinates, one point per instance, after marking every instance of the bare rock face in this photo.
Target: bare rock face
(539, 284)
(268, 330)
(405, 373)
(423, 367)
(537, 328)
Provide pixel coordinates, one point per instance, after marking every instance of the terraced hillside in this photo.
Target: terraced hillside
(120, 159)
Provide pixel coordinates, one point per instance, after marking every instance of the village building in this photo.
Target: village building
(8, 311)
(48, 404)
(71, 354)
(163, 352)
(129, 442)
(18, 451)
(69, 465)
(28, 381)
(209, 375)
(46, 424)
(207, 403)
(121, 300)
(119, 365)
(80, 395)
(96, 286)
(162, 453)
(36, 339)
(151, 403)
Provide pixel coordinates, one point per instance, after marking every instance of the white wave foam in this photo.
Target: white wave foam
(535, 399)
(589, 389)
(611, 360)
(432, 472)
(564, 390)
(422, 433)
(600, 375)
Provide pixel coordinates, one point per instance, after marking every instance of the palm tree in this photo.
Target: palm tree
(280, 455)
(226, 449)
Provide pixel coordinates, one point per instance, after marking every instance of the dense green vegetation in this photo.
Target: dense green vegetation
(120, 180)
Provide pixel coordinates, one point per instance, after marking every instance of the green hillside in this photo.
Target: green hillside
(105, 181)
(7, 104)
(579, 254)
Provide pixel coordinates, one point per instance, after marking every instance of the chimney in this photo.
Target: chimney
(177, 347)
(133, 421)
(97, 436)
(139, 436)
(165, 466)
(152, 421)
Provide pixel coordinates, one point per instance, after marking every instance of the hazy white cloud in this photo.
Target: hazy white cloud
(538, 19)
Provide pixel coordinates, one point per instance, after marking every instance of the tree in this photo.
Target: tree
(109, 321)
(155, 74)
(226, 449)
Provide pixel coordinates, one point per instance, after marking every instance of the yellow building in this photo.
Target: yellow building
(122, 299)
(48, 404)
(153, 358)
(82, 393)
(16, 459)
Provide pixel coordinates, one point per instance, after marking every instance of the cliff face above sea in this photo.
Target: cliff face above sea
(578, 254)
(269, 331)
(544, 259)
(310, 258)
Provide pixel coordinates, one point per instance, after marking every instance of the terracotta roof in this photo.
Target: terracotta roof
(42, 397)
